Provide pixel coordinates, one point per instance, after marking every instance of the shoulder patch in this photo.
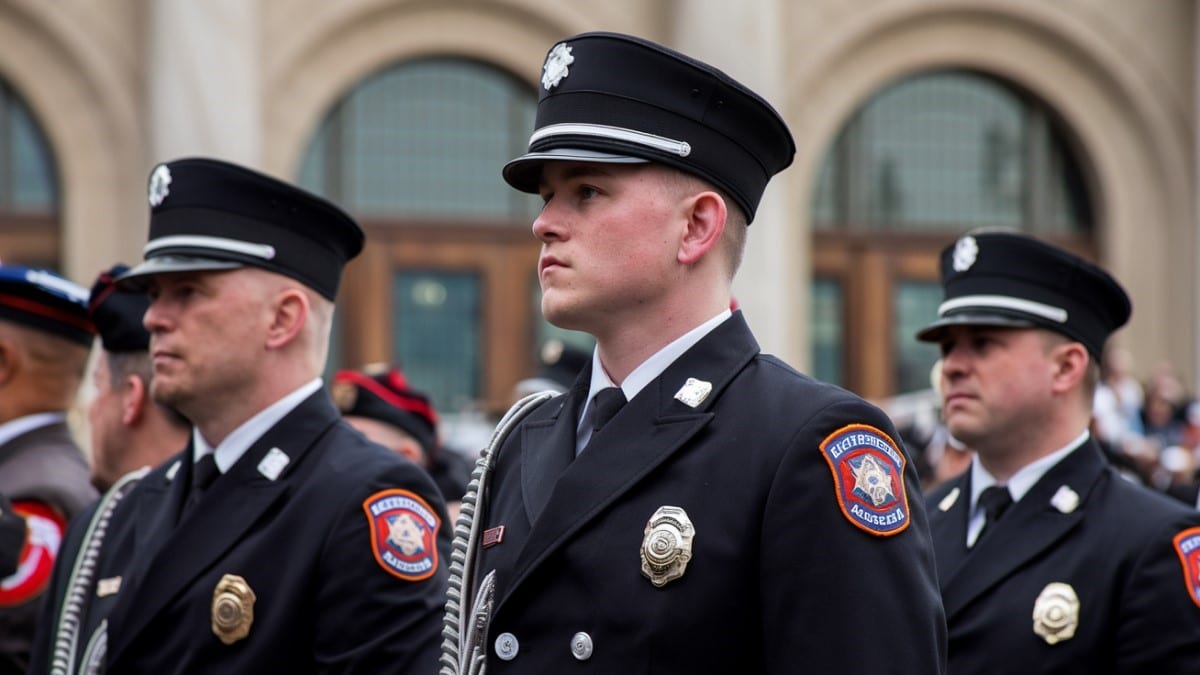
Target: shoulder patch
(403, 533)
(1187, 545)
(868, 478)
(44, 534)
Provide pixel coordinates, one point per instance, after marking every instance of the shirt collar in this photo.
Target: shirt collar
(649, 369)
(1023, 480)
(231, 449)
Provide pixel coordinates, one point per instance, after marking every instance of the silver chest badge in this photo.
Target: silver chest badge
(160, 184)
(667, 545)
(965, 252)
(555, 68)
(1056, 613)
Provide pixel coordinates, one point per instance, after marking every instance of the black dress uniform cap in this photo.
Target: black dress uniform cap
(43, 300)
(607, 97)
(207, 214)
(382, 393)
(1008, 279)
(117, 313)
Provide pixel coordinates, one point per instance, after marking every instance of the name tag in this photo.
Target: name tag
(108, 586)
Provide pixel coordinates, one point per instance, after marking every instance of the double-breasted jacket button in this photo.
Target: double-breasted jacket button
(507, 646)
(581, 646)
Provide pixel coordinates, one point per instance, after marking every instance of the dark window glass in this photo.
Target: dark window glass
(947, 151)
(28, 182)
(826, 330)
(437, 329)
(916, 304)
(426, 139)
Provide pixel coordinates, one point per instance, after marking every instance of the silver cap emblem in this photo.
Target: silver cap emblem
(1056, 613)
(965, 252)
(555, 68)
(160, 182)
(667, 545)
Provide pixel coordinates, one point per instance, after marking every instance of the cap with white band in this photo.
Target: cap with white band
(613, 98)
(998, 278)
(208, 215)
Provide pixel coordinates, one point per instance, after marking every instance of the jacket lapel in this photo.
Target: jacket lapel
(159, 498)
(647, 431)
(1031, 526)
(949, 527)
(179, 553)
(548, 448)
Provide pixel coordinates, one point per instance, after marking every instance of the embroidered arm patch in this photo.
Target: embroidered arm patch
(1187, 545)
(403, 533)
(43, 539)
(868, 478)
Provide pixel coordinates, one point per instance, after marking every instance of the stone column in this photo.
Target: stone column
(746, 40)
(204, 71)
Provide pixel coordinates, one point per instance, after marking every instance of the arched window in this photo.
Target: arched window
(28, 187)
(425, 140)
(925, 159)
(415, 152)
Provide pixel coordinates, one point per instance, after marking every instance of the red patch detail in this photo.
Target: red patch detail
(44, 534)
(868, 477)
(403, 533)
(1187, 545)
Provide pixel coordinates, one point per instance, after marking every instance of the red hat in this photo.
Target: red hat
(382, 393)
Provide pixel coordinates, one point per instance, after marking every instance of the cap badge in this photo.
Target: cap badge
(965, 252)
(693, 392)
(1065, 500)
(555, 69)
(1187, 546)
(160, 182)
(667, 545)
(232, 609)
(1056, 613)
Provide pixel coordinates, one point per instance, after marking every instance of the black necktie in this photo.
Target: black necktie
(204, 472)
(606, 403)
(995, 500)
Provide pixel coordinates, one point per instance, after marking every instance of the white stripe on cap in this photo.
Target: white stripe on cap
(681, 148)
(1057, 314)
(68, 288)
(264, 251)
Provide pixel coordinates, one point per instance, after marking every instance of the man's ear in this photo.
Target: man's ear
(290, 312)
(705, 213)
(134, 400)
(1071, 363)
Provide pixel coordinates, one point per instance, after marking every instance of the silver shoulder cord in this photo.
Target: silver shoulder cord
(80, 586)
(463, 649)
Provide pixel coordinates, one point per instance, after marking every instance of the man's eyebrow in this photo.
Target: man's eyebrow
(579, 171)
